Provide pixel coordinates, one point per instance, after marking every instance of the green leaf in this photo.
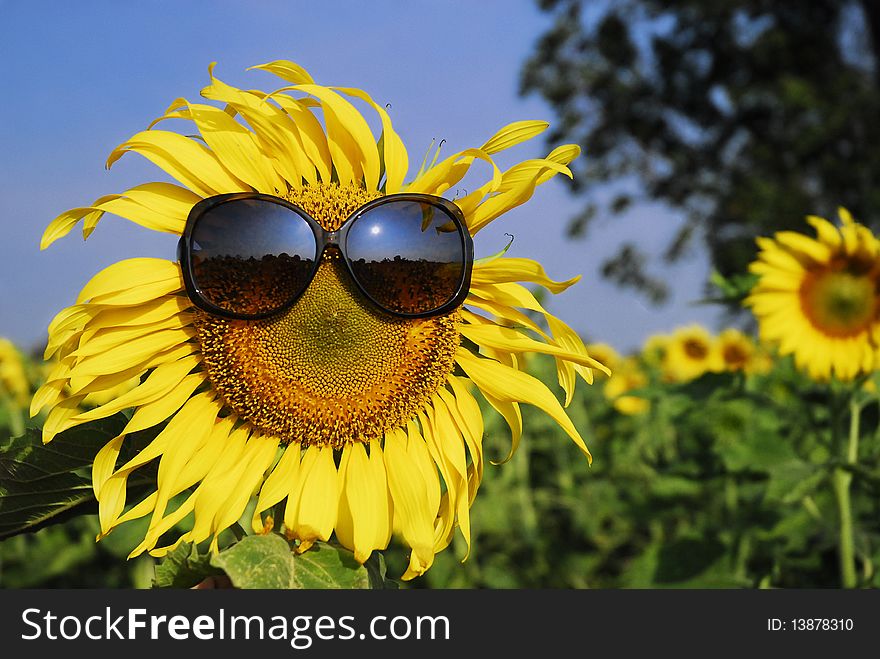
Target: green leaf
(325, 566)
(258, 561)
(42, 484)
(732, 289)
(686, 559)
(267, 561)
(793, 480)
(39, 484)
(377, 572)
(184, 567)
(27, 459)
(759, 451)
(666, 487)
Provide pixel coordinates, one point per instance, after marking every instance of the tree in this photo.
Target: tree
(742, 115)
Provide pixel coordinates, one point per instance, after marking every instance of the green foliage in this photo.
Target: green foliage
(731, 290)
(66, 555)
(742, 116)
(184, 567)
(723, 483)
(268, 561)
(43, 484)
(47, 511)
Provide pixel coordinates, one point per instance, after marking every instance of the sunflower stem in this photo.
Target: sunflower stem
(841, 481)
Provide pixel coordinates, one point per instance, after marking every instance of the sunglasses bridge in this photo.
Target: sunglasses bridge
(332, 238)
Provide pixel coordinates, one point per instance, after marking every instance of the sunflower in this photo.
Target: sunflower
(604, 353)
(627, 376)
(14, 382)
(690, 352)
(15, 387)
(654, 349)
(761, 361)
(339, 419)
(736, 349)
(817, 299)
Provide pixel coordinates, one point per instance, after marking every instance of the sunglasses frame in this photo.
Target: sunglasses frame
(323, 240)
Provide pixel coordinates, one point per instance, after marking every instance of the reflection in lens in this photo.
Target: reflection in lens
(408, 255)
(251, 256)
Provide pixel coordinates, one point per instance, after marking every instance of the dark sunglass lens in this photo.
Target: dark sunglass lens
(408, 255)
(251, 256)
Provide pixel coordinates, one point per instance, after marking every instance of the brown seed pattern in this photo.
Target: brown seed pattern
(333, 368)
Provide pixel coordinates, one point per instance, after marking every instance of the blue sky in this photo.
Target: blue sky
(80, 78)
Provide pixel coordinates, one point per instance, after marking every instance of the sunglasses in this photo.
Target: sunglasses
(251, 255)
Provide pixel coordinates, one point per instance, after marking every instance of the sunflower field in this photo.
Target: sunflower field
(326, 389)
(717, 464)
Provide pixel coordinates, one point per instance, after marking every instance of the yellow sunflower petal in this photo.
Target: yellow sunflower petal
(798, 242)
(444, 525)
(351, 142)
(311, 134)
(281, 137)
(363, 523)
(156, 411)
(157, 206)
(132, 281)
(286, 70)
(510, 269)
(189, 162)
(278, 484)
(214, 490)
(449, 441)
(512, 385)
(102, 339)
(450, 171)
(186, 432)
(826, 232)
(316, 497)
(509, 339)
(414, 516)
(235, 148)
(471, 438)
(530, 173)
(518, 188)
(513, 134)
(85, 383)
(120, 357)
(563, 155)
(394, 156)
(162, 308)
(60, 418)
(160, 381)
(258, 456)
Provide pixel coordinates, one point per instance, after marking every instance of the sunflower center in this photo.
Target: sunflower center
(840, 302)
(734, 355)
(333, 368)
(695, 349)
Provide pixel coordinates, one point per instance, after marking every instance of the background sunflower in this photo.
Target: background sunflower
(819, 299)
